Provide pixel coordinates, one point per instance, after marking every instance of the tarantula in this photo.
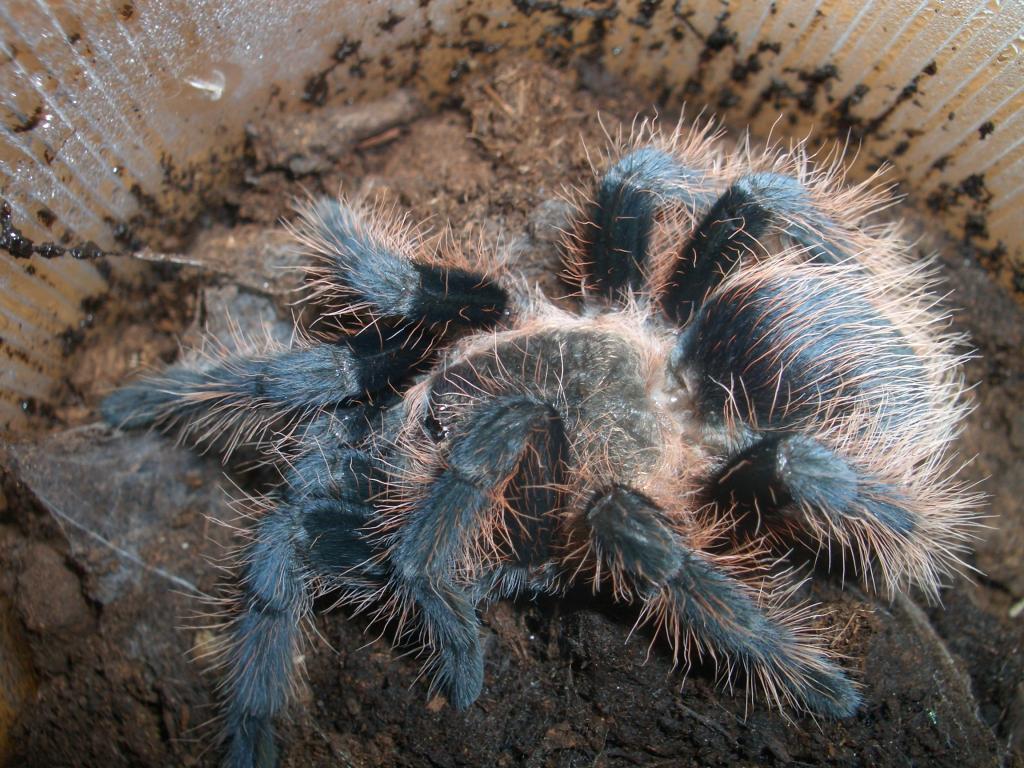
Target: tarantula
(746, 362)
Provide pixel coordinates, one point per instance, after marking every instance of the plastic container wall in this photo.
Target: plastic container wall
(111, 111)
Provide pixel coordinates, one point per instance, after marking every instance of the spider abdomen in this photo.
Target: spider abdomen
(781, 352)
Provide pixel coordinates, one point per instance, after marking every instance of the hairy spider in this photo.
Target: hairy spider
(747, 362)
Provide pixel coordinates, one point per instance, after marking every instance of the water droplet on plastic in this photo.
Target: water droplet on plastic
(211, 86)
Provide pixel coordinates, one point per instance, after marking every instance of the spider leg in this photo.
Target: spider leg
(794, 481)
(733, 226)
(312, 535)
(611, 243)
(832, 420)
(698, 599)
(797, 469)
(238, 399)
(360, 263)
(446, 526)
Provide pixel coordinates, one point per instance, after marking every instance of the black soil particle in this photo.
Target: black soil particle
(30, 122)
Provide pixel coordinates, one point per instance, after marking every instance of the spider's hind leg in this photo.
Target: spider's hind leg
(734, 226)
(798, 484)
(832, 419)
(699, 599)
(608, 250)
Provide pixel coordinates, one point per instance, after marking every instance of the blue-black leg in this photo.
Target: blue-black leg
(725, 233)
(241, 396)
(315, 531)
(797, 479)
(632, 537)
(487, 450)
(616, 231)
(357, 267)
(795, 213)
(733, 227)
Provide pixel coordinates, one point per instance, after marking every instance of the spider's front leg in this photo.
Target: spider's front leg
(364, 261)
(698, 598)
(313, 534)
(225, 400)
(462, 528)
(368, 260)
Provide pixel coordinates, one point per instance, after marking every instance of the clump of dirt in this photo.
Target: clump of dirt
(109, 534)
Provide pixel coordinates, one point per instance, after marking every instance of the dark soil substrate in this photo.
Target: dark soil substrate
(109, 537)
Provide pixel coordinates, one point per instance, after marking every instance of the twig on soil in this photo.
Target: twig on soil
(496, 98)
(166, 258)
(706, 721)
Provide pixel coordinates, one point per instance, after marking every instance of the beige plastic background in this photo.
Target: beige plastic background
(111, 109)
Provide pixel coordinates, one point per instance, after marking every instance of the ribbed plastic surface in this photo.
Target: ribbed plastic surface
(110, 110)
